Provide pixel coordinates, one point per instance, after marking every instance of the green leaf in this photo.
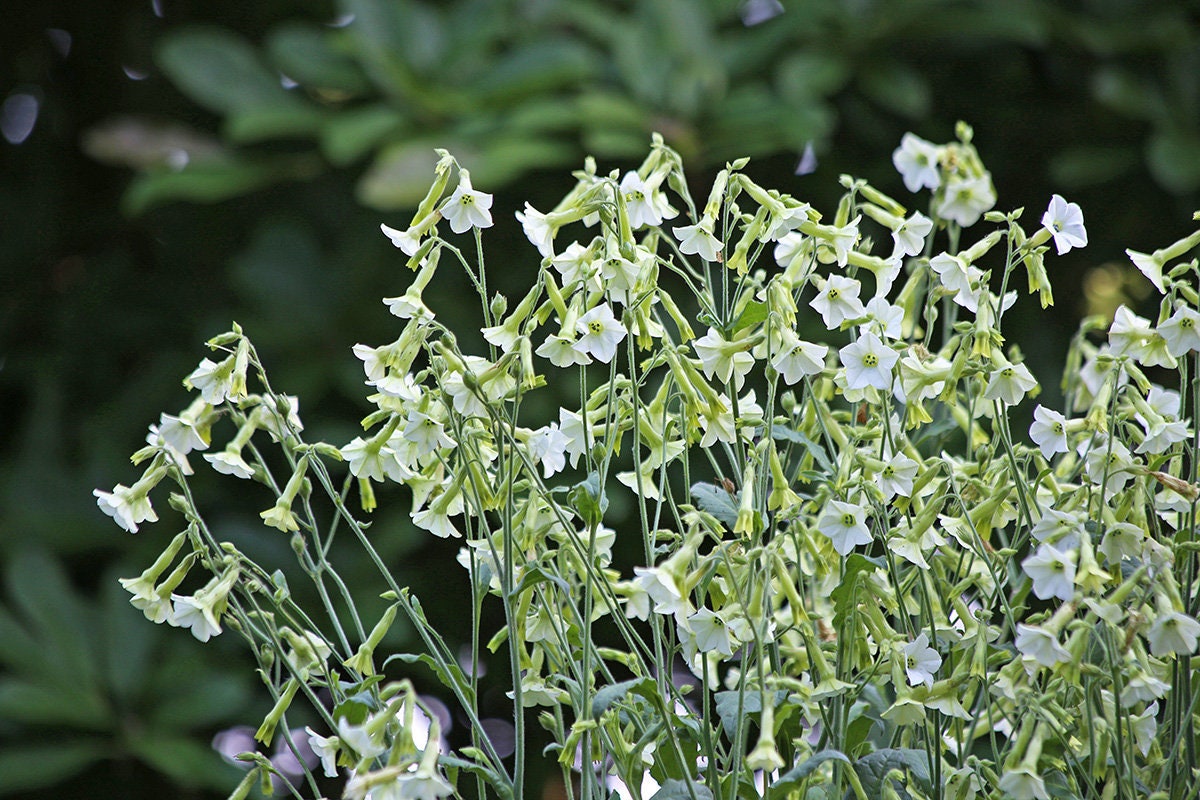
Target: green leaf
(899, 89)
(731, 713)
(679, 790)
(26, 768)
(754, 313)
(873, 769)
(1174, 160)
(39, 704)
(792, 779)
(185, 761)
(715, 500)
(613, 693)
(540, 67)
(353, 132)
(261, 124)
(781, 433)
(308, 55)
(588, 500)
(60, 622)
(221, 71)
(843, 596)
(210, 699)
(211, 181)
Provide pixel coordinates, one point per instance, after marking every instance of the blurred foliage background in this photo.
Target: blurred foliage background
(170, 165)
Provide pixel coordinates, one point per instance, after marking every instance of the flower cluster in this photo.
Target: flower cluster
(874, 581)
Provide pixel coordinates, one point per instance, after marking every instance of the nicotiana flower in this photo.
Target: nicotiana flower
(1173, 632)
(1150, 265)
(838, 301)
(1048, 431)
(710, 632)
(920, 661)
(868, 362)
(467, 208)
(1181, 331)
(795, 358)
(1128, 333)
(843, 524)
(966, 199)
(537, 229)
(561, 352)
(1060, 528)
(1041, 645)
(426, 433)
(201, 612)
(1009, 384)
(1110, 463)
(884, 318)
(897, 475)
(574, 263)
(723, 358)
(909, 238)
(599, 333)
(644, 205)
(917, 162)
(1065, 222)
(1052, 571)
(698, 240)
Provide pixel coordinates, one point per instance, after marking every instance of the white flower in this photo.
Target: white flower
(128, 506)
(374, 460)
(1022, 783)
(965, 200)
(426, 433)
(842, 239)
(1150, 265)
(580, 438)
(1128, 333)
(897, 475)
(1009, 384)
(467, 208)
(365, 740)
(640, 202)
(1065, 222)
(723, 358)
(560, 351)
(537, 230)
(788, 247)
(662, 588)
(407, 240)
(325, 748)
(1181, 331)
(600, 333)
(917, 162)
(1145, 728)
(230, 462)
(195, 614)
(436, 520)
(1052, 571)
(796, 358)
(838, 301)
(1173, 632)
(548, 446)
(698, 240)
(909, 238)
(868, 362)
(920, 661)
(1060, 528)
(842, 523)
(619, 275)
(1121, 540)
(1040, 645)
(1048, 431)
(1110, 462)
(214, 381)
(574, 263)
(886, 319)
(710, 632)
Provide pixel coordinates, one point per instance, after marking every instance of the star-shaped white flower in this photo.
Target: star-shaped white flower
(1052, 571)
(909, 238)
(1009, 384)
(600, 333)
(868, 362)
(467, 208)
(1065, 222)
(838, 301)
(917, 162)
(698, 240)
(1049, 431)
(843, 524)
(1181, 331)
(1173, 632)
(723, 358)
(920, 661)
(966, 200)
(1041, 645)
